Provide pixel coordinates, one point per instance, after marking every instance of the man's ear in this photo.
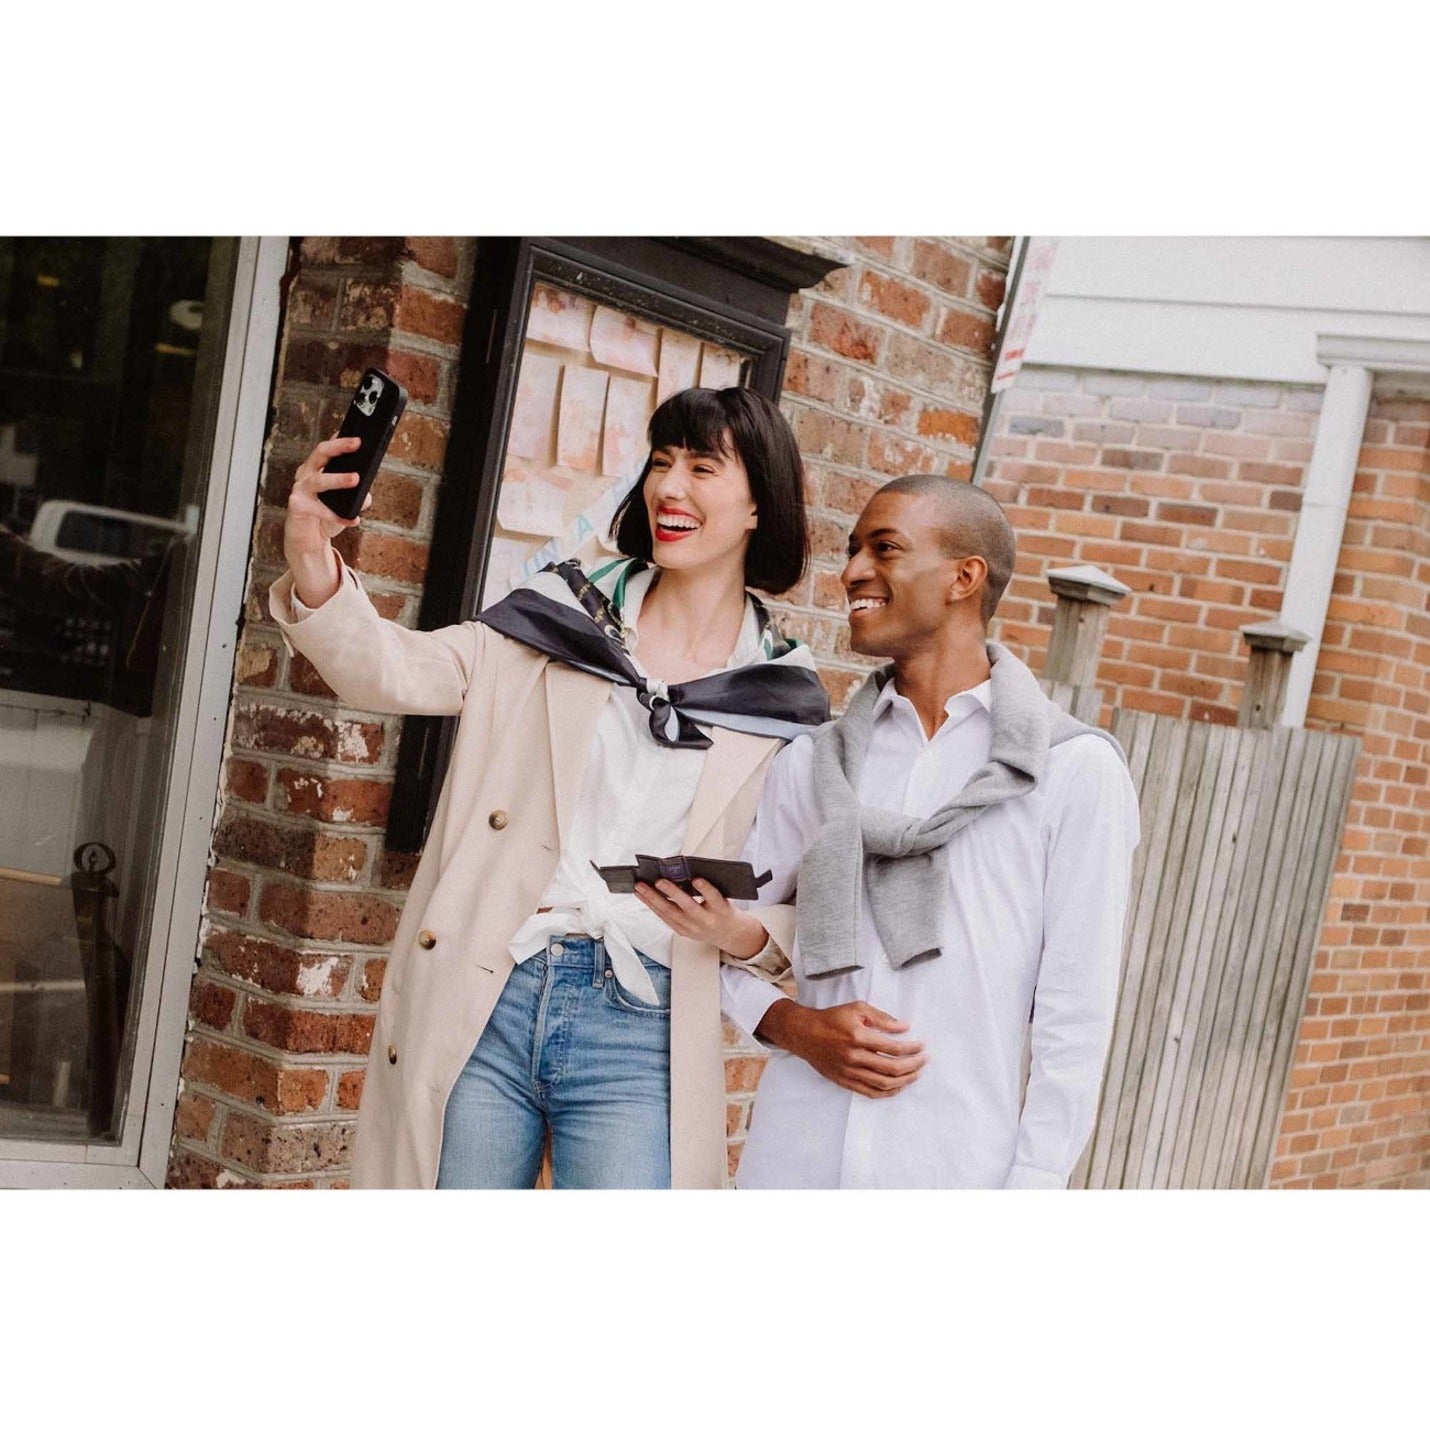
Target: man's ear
(968, 580)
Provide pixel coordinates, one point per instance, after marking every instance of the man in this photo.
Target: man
(959, 850)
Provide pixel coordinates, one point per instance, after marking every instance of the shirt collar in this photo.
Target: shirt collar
(958, 707)
(747, 646)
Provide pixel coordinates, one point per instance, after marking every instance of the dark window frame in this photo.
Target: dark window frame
(731, 291)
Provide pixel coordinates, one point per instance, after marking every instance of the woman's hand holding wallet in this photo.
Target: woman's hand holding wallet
(711, 918)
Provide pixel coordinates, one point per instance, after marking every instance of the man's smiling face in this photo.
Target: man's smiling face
(899, 577)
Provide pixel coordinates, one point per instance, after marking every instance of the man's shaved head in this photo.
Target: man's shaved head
(972, 524)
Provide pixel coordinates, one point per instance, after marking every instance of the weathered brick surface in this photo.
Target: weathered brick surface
(1111, 469)
(887, 374)
(1198, 485)
(301, 878)
(1358, 1108)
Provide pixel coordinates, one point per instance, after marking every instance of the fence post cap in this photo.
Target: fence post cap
(1087, 583)
(1274, 635)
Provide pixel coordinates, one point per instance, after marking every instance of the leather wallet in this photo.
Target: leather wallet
(733, 877)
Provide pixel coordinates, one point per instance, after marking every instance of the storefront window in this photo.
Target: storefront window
(110, 357)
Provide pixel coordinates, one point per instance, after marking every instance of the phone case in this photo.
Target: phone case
(733, 877)
(372, 415)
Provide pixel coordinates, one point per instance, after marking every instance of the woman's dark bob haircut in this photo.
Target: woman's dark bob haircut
(704, 419)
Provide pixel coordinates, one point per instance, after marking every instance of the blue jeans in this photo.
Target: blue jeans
(567, 1047)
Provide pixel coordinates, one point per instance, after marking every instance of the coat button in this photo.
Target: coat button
(391, 1053)
(497, 819)
(427, 939)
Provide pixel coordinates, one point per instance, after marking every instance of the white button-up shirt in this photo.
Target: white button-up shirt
(635, 799)
(1033, 922)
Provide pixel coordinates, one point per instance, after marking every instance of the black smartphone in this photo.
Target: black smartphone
(372, 415)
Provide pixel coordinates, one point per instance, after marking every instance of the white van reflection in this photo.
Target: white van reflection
(102, 535)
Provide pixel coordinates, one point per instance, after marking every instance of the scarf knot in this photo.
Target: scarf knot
(565, 615)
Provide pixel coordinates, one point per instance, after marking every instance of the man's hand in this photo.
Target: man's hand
(849, 1044)
(711, 918)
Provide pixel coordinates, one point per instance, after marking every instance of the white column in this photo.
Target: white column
(1322, 523)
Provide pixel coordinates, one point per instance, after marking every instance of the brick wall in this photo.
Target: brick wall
(303, 896)
(1185, 490)
(888, 374)
(1358, 1107)
(1188, 491)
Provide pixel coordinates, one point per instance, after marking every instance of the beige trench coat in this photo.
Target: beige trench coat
(515, 773)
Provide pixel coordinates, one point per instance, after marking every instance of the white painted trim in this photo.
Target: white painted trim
(238, 458)
(1321, 525)
(141, 1156)
(1377, 353)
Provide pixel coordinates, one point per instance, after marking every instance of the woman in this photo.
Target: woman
(630, 710)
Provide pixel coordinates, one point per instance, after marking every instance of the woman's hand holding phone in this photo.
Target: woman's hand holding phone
(311, 525)
(711, 918)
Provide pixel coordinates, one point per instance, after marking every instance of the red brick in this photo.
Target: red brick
(990, 288)
(821, 435)
(828, 538)
(843, 334)
(330, 362)
(210, 1004)
(367, 305)
(291, 849)
(373, 971)
(420, 442)
(246, 780)
(255, 665)
(370, 252)
(901, 302)
(306, 733)
(898, 457)
(229, 893)
(419, 373)
(333, 799)
(436, 255)
(188, 1171)
(932, 263)
(307, 1030)
(850, 494)
(329, 917)
(243, 1075)
(967, 330)
(350, 1090)
(312, 302)
(812, 376)
(303, 678)
(377, 554)
(743, 1074)
(945, 422)
(193, 1117)
(429, 315)
(1187, 513)
(397, 869)
(277, 968)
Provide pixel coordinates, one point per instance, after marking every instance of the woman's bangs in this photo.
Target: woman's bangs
(694, 419)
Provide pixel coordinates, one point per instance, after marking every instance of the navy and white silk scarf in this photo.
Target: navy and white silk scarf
(576, 619)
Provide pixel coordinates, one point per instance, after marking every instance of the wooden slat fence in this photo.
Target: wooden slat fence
(1240, 831)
